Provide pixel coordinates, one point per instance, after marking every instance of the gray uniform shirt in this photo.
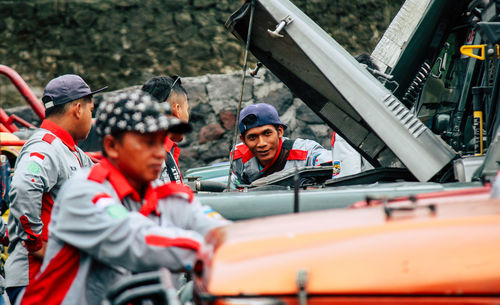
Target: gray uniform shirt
(99, 232)
(246, 167)
(46, 161)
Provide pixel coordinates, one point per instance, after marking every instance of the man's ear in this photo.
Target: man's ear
(176, 108)
(280, 131)
(242, 138)
(109, 145)
(77, 110)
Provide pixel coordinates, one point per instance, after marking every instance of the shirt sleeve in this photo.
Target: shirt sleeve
(317, 154)
(36, 173)
(178, 212)
(90, 219)
(349, 158)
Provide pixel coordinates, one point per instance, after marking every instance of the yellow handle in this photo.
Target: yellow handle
(468, 50)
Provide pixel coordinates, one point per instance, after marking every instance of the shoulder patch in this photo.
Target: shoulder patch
(37, 155)
(297, 154)
(98, 173)
(49, 138)
(173, 188)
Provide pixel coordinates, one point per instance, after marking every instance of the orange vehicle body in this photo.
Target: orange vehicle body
(353, 256)
(10, 145)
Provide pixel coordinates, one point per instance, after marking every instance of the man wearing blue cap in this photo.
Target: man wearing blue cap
(46, 161)
(264, 149)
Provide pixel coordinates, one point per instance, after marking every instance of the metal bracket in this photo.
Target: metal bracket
(302, 279)
(253, 73)
(441, 62)
(284, 22)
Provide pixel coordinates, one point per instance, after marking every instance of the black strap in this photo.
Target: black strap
(171, 170)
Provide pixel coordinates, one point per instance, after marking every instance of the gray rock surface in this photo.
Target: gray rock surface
(213, 115)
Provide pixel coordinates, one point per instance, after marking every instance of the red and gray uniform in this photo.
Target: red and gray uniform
(170, 171)
(299, 152)
(99, 233)
(46, 161)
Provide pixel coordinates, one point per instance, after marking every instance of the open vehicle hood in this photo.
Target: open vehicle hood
(452, 250)
(332, 83)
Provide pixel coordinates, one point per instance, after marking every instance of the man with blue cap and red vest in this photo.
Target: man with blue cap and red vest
(46, 161)
(112, 219)
(264, 149)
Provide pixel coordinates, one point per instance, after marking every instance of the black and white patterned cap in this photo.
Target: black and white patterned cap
(135, 111)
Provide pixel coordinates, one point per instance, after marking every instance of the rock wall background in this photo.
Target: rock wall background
(213, 99)
(121, 43)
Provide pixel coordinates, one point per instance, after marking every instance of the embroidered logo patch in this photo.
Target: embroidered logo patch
(211, 213)
(117, 211)
(336, 168)
(34, 168)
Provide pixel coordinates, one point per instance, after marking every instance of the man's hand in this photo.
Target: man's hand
(39, 254)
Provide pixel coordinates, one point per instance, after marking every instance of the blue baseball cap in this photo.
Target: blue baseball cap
(64, 89)
(259, 115)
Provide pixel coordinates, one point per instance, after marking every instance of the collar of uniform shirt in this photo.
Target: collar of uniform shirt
(121, 185)
(62, 134)
(169, 145)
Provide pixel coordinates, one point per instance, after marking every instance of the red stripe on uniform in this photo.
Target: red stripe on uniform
(48, 138)
(39, 155)
(100, 196)
(34, 242)
(162, 241)
(47, 204)
(333, 139)
(296, 154)
(172, 188)
(51, 286)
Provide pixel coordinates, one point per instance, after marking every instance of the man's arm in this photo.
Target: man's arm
(35, 174)
(89, 219)
(317, 154)
(190, 215)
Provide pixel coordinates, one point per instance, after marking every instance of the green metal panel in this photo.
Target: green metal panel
(426, 41)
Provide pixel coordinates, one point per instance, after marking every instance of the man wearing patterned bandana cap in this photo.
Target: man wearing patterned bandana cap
(111, 220)
(46, 161)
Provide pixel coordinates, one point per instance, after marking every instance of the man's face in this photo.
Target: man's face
(138, 156)
(263, 142)
(87, 106)
(180, 109)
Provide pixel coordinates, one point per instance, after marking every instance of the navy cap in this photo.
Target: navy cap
(263, 114)
(138, 111)
(64, 89)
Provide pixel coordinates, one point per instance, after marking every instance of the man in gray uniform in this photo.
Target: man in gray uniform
(110, 220)
(264, 149)
(169, 90)
(46, 161)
